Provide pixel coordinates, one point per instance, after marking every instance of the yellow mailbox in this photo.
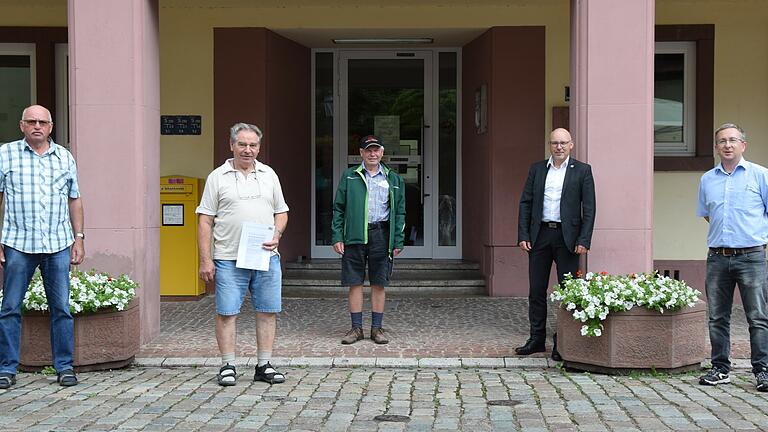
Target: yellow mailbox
(179, 197)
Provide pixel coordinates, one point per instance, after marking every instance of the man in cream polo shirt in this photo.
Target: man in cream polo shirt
(242, 190)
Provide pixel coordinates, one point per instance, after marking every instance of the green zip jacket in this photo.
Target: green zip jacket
(350, 209)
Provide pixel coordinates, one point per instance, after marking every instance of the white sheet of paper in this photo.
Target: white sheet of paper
(250, 254)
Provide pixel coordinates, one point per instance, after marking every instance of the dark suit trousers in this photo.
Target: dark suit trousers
(549, 247)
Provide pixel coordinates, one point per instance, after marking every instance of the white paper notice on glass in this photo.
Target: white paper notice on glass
(250, 254)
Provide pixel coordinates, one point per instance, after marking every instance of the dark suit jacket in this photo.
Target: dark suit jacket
(577, 204)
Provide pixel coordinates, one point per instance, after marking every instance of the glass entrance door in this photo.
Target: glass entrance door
(409, 98)
(388, 94)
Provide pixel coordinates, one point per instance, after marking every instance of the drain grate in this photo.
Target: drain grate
(504, 402)
(392, 418)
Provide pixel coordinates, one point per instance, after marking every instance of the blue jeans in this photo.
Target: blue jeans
(17, 273)
(723, 273)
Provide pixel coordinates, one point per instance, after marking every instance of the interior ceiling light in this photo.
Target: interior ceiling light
(383, 41)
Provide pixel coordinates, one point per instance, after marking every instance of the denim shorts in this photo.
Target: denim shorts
(233, 283)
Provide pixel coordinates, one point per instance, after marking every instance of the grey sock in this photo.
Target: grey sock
(228, 358)
(264, 357)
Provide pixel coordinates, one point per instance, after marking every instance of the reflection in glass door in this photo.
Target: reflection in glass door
(17, 87)
(410, 99)
(389, 94)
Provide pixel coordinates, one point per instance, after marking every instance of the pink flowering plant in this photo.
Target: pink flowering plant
(88, 292)
(591, 299)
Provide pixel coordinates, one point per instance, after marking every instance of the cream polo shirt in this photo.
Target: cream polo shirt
(232, 199)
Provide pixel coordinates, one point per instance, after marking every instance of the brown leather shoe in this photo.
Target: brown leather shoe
(353, 335)
(377, 335)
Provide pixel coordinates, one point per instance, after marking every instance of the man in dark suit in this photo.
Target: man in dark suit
(557, 214)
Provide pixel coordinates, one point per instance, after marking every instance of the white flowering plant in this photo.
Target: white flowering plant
(89, 291)
(591, 299)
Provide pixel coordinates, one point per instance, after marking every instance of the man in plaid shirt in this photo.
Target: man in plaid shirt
(42, 226)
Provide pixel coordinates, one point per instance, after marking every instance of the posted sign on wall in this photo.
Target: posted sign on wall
(181, 124)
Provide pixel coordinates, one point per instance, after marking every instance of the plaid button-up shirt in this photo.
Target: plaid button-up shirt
(36, 191)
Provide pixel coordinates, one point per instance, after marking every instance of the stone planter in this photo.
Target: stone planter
(103, 340)
(636, 340)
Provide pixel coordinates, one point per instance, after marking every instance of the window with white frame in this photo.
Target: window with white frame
(17, 86)
(674, 106)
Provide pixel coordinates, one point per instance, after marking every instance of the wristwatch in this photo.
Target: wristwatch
(80, 235)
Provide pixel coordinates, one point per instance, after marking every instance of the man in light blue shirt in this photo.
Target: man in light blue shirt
(42, 227)
(733, 198)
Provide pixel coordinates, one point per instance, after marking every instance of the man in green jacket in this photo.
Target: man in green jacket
(368, 223)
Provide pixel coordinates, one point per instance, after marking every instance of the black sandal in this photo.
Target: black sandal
(268, 374)
(227, 375)
(7, 380)
(67, 378)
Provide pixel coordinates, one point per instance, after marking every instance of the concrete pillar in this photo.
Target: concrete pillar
(114, 84)
(612, 84)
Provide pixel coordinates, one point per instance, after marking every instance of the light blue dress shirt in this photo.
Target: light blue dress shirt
(736, 205)
(378, 196)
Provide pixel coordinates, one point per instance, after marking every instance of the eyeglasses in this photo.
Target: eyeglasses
(30, 122)
(558, 143)
(731, 140)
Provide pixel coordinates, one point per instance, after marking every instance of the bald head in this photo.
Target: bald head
(560, 134)
(560, 145)
(36, 124)
(37, 112)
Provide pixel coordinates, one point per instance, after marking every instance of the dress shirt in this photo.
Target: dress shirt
(378, 195)
(553, 190)
(37, 189)
(736, 205)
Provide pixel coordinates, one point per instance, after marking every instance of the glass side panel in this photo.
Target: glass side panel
(446, 213)
(386, 98)
(15, 84)
(323, 147)
(669, 98)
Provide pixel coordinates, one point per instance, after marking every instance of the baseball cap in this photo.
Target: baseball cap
(370, 140)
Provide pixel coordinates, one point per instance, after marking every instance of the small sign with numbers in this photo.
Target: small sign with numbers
(181, 124)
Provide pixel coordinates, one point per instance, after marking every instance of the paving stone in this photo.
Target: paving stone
(396, 362)
(439, 362)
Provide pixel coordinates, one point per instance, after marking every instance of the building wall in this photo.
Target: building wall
(187, 82)
(741, 89)
(186, 43)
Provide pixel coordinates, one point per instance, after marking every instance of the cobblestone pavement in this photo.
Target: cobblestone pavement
(473, 327)
(350, 399)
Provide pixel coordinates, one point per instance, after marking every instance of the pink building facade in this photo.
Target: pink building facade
(115, 53)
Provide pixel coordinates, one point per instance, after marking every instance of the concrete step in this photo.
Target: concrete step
(393, 291)
(319, 278)
(397, 274)
(400, 264)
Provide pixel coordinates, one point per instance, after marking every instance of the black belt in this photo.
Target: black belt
(377, 225)
(552, 225)
(724, 251)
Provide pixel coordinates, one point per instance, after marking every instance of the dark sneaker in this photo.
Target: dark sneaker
(7, 380)
(353, 335)
(714, 377)
(762, 381)
(377, 335)
(67, 378)
(268, 374)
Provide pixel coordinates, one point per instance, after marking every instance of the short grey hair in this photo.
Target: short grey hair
(238, 127)
(732, 126)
